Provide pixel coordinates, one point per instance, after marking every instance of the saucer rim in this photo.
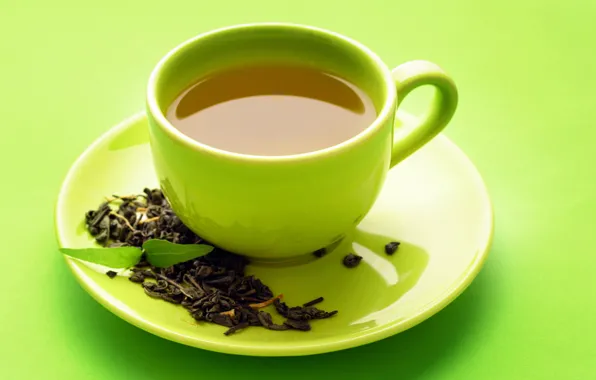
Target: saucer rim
(361, 338)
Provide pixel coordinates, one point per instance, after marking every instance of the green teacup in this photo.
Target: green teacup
(276, 207)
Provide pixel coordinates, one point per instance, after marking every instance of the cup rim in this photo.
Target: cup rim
(173, 132)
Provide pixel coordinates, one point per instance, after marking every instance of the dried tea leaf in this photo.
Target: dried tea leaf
(119, 257)
(111, 274)
(233, 329)
(351, 260)
(301, 325)
(313, 302)
(163, 254)
(391, 247)
(267, 322)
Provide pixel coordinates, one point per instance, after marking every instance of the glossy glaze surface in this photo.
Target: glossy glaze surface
(279, 207)
(434, 203)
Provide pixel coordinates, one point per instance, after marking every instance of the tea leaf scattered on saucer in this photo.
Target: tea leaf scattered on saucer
(119, 257)
(163, 254)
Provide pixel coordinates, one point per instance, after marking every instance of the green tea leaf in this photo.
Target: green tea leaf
(118, 257)
(163, 254)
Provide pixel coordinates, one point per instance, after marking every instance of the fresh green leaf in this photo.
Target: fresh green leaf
(163, 254)
(118, 257)
(160, 253)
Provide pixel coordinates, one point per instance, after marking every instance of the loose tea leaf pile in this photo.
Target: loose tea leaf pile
(137, 219)
(213, 288)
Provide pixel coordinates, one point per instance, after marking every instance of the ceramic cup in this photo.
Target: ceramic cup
(277, 207)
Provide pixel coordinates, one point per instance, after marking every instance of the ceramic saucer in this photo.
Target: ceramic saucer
(434, 203)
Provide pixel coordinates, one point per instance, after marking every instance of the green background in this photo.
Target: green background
(526, 75)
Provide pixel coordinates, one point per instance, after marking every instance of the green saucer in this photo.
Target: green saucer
(434, 203)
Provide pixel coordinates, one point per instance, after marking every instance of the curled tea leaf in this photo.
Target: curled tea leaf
(301, 325)
(313, 302)
(351, 260)
(391, 247)
(119, 257)
(163, 254)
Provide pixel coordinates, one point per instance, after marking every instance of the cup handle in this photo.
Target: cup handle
(408, 76)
